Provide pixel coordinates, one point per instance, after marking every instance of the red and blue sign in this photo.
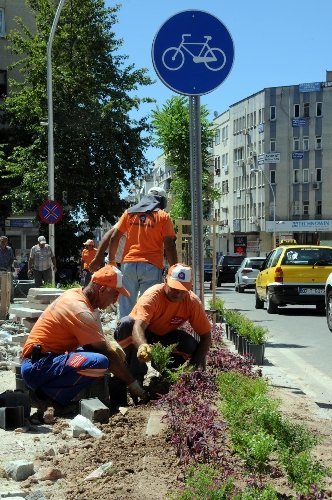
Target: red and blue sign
(50, 212)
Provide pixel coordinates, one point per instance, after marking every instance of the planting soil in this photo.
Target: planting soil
(141, 464)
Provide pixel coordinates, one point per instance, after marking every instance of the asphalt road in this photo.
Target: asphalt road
(299, 348)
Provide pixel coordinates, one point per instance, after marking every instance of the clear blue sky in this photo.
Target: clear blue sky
(276, 43)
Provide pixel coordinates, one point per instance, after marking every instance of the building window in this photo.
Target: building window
(2, 21)
(296, 110)
(318, 143)
(272, 113)
(224, 160)
(3, 83)
(306, 108)
(305, 143)
(273, 146)
(272, 176)
(305, 207)
(305, 175)
(296, 144)
(217, 165)
(224, 133)
(318, 207)
(319, 108)
(217, 137)
(318, 175)
(296, 208)
(296, 178)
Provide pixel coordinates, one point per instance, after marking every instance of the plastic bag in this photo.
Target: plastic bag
(80, 423)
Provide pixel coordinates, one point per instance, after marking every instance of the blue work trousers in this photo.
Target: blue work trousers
(62, 376)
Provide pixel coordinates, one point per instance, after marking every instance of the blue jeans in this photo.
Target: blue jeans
(137, 277)
(62, 376)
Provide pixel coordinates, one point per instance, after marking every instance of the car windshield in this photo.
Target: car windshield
(255, 263)
(233, 260)
(308, 256)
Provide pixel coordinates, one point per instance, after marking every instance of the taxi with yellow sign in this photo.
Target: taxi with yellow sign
(293, 274)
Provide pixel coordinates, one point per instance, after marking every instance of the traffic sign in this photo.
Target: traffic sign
(50, 212)
(193, 52)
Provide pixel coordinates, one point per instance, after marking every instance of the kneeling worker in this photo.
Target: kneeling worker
(66, 349)
(158, 316)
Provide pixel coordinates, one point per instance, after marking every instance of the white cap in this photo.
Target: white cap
(157, 191)
(41, 239)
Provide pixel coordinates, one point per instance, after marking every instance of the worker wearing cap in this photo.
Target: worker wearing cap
(158, 317)
(149, 235)
(40, 262)
(66, 349)
(88, 254)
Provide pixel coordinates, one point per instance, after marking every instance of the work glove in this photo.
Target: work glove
(118, 350)
(137, 391)
(144, 353)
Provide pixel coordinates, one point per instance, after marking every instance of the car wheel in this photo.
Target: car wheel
(259, 304)
(236, 288)
(329, 310)
(241, 289)
(270, 306)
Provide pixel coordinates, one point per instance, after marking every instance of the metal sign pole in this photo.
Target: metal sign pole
(196, 195)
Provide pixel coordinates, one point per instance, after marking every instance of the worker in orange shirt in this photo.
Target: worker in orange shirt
(88, 254)
(149, 235)
(159, 316)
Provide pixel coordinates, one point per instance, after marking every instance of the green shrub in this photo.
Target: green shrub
(203, 483)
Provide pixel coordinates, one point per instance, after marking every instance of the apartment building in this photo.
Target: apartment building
(272, 163)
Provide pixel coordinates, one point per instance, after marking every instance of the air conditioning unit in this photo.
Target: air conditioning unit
(315, 185)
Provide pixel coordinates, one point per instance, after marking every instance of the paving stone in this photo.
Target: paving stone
(19, 470)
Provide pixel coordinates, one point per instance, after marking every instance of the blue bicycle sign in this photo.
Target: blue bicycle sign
(193, 52)
(213, 57)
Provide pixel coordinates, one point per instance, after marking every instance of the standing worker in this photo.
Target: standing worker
(66, 349)
(88, 254)
(6, 261)
(40, 262)
(150, 234)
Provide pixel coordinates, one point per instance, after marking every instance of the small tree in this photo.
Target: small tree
(171, 127)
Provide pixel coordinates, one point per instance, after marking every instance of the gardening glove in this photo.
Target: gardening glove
(144, 353)
(137, 390)
(118, 350)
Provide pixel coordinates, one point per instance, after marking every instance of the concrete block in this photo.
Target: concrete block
(24, 312)
(155, 423)
(16, 398)
(19, 470)
(94, 410)
(11, 417)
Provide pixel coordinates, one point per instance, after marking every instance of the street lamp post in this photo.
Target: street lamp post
(256, 169)
(50, 156)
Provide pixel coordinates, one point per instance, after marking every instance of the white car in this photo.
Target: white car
(245, 276)
(328, 301)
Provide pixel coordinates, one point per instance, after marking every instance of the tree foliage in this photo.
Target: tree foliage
(171, 127)
(98, 146)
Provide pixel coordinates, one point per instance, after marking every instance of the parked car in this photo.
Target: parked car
(294, 274)
(245, 276)
(328, 301)
(227, 267)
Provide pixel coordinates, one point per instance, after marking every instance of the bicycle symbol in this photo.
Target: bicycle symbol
(213, 57)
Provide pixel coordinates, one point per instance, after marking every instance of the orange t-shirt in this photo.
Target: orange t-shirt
(69, 322)
(87, 256)
(163, 316)
(146, 232)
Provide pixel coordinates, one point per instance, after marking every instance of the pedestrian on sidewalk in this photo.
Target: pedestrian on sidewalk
(88, 254)
(149, 235)
(66, 349)
(7, 258)
(40, 262)
(158, 317)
